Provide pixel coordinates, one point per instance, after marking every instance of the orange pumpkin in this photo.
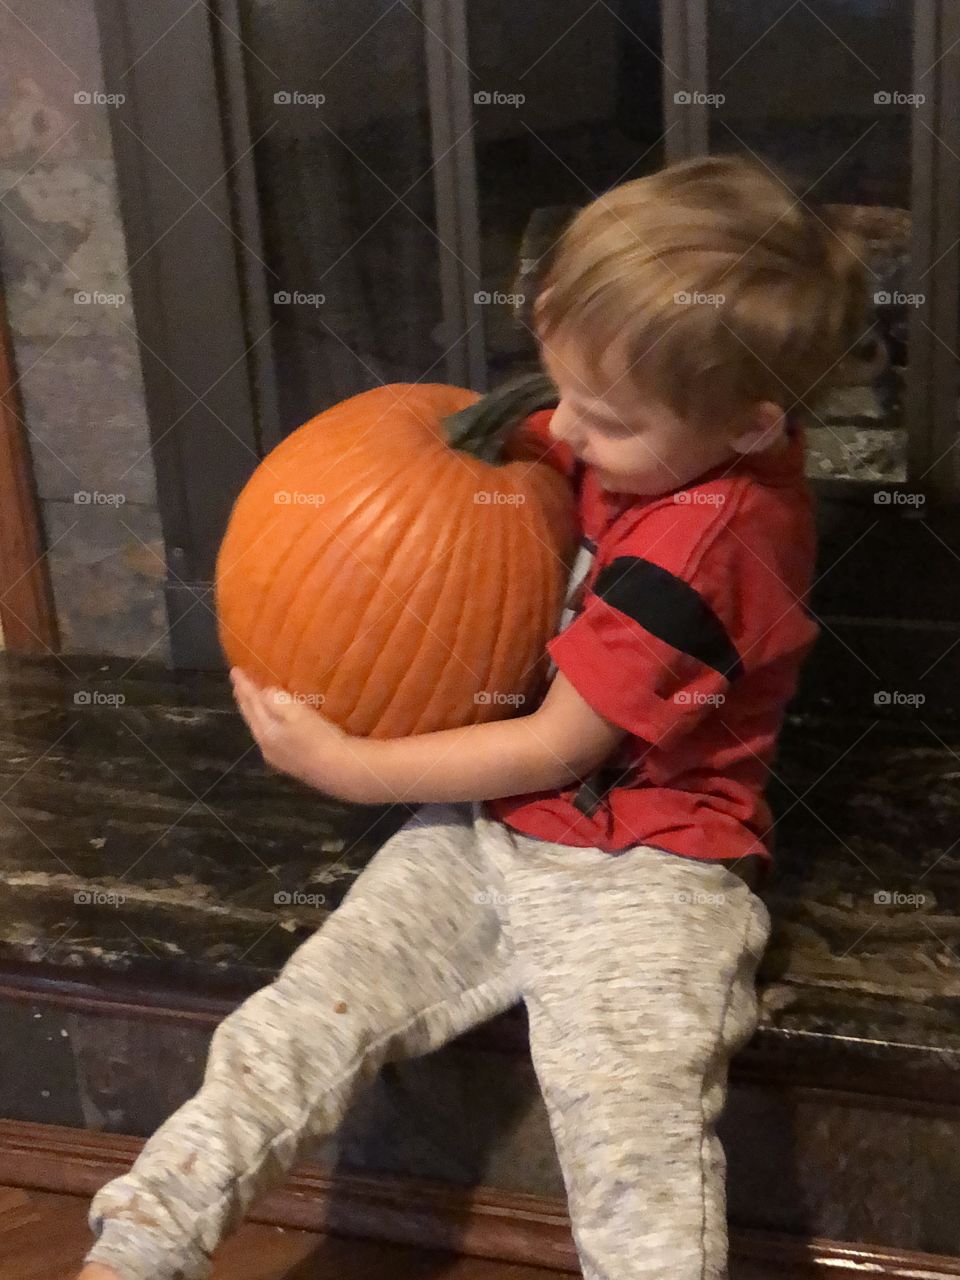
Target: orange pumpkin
(400, 560)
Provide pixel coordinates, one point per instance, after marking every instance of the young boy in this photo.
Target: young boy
(620, 826)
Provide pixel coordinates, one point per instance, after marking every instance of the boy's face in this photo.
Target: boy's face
(634, 444)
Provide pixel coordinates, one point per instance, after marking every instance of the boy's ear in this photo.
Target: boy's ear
(767, 428)
(538, 304)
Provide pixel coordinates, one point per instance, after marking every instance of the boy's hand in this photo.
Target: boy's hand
(94, 1271)
(293, 737)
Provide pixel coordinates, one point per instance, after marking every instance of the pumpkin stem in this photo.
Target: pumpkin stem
(482, 429)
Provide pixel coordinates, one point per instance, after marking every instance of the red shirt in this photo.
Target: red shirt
(685, 624)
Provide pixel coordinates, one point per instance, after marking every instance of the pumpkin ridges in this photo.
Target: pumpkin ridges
(555, 587)
(357, 625)
(506, 626)
(552, 600)
(288, 597)
(400, 716)
(505, 637)
(386, 657)
(522, 615)
(513, 612)
(544, 613)
(263, 610)
(403, 712)
(472, 634)
(517, 621)
(555, 512)
(467, 613)
(496, 616)
(234, 612)
(553, 488)
(258, 493)
(396, 397)
(379, 632)
(472, 620)
(283, 457)
(435, 657)
(552, 575)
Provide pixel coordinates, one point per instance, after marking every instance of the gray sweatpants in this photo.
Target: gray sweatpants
(638, 973)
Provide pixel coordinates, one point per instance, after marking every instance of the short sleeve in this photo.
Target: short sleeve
(647, 651)
(690, 601)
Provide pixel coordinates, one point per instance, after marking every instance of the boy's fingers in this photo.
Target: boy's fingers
(249, 709)
(268, 699)
(278, 703)
(244, 690)
(240, 685)
(257, 706)
(272, 701)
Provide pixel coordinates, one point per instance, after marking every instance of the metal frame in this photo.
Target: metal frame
(256, 287)
(685, 47)
(455, 186)
(188, 290)
(933, 382)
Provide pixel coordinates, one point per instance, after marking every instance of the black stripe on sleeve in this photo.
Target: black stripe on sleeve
(670, 609)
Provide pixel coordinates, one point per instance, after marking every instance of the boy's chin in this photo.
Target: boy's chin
(640, 486)
(613, 483)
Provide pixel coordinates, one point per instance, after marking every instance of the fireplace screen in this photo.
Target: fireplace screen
(413, 163)
(367, 192)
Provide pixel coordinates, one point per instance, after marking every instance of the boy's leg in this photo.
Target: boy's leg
(638, 972)
(413, 956)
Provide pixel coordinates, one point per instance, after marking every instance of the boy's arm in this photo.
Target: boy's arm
(563, 740)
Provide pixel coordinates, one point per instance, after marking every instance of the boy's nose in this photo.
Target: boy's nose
(563, 427)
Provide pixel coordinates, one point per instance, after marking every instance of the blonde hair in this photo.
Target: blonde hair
(788, 289)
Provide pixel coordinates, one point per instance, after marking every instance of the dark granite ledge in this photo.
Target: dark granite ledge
(150, 787)
(161, 799)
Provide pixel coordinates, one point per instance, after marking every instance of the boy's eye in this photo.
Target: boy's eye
(596, 420)
(613, 425)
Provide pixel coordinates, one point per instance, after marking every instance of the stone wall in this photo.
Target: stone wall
(64, 267)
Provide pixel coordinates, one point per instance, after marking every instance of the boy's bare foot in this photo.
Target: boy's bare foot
(94, 1271)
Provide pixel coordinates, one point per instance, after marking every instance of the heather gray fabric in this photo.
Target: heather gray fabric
(637, 970)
